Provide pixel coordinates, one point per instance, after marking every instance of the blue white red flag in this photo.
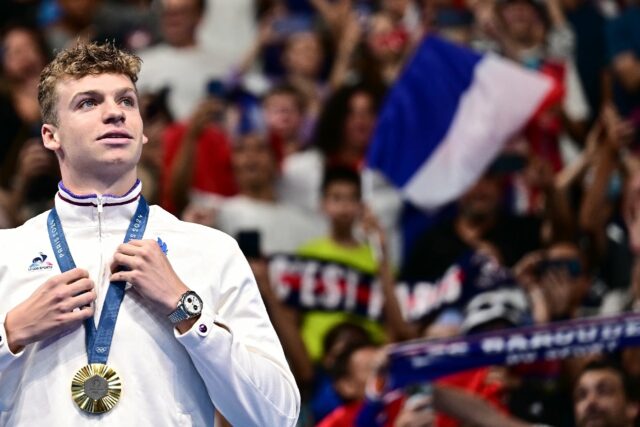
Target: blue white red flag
(448, 116)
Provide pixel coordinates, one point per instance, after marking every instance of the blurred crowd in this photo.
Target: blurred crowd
(259, 114)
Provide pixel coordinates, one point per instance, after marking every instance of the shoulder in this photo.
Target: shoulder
(154, 53)
(313, 245)
(303, 160)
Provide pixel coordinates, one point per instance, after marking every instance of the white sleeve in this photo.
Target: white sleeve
(7, 357)
(237, 353)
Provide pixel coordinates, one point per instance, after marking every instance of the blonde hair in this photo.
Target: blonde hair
(79, 61)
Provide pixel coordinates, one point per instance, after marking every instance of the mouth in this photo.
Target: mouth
(115, 137)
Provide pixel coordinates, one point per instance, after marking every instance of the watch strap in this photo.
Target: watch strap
(178, 316)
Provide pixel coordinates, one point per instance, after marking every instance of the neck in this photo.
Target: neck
(343, 237)
(190, 42)
(92, 185)
(351, 155)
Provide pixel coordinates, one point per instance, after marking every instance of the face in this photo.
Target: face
(386, 42)
(578, 282)
(99, 127)
(282, 115)
(304, 55)
(22, 58)
(521, 20)
(483, 199)
(362, 365)
(254, 164)
(80, 12)
(600, 401)
(341, 204)
(626, 67)
(179, 21)
(396, 8)
(360, 121)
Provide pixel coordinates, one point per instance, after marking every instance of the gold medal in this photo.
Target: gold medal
(96, 388)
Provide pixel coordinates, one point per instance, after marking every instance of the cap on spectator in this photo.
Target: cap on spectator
(506, 305)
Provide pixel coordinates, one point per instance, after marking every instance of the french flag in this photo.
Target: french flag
(448, 116)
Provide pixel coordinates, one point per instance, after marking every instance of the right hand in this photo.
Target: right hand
(51, 309)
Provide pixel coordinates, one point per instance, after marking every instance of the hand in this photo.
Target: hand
(557, 287)
(207, 112)
(34, 160)
(526, 270)
(62, 303)
(416, 412)
(149, 272)
(372, 228)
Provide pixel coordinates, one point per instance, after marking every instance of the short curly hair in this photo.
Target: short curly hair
(79, 61)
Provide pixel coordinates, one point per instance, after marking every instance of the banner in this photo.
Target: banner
(422, 361)
(312, 284)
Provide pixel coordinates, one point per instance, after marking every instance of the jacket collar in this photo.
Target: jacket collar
(85, 209)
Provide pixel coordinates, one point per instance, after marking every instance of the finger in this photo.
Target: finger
(81, 300)
(123, 276)
(80, 286)
(80, 315)
(71, 275)
(129, 248)
(142, 243)
(123, 261)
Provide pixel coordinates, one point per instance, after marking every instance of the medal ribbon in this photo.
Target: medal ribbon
(98, 340)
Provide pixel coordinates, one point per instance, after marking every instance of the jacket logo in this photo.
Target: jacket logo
(40, 263)
(163, 246)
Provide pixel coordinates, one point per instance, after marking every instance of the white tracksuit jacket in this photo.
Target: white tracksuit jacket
(168, 379)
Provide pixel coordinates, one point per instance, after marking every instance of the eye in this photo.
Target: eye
(128, 101)
(87, 103)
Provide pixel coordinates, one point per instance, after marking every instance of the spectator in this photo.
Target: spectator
(97, 20)
(623, 39)
(281, 228)
(197, 168)
(341, 137)
(22, 60)
(480, 218)
(157, 119)
(284, 114)
(341, 202)
(603, 395)
(351, 369)
(180, 55)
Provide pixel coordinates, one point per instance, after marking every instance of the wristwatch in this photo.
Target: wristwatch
(189, 306)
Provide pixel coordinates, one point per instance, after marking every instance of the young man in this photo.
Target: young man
(191, 332)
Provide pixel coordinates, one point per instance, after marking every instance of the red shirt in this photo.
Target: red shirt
(211, 168)
(342, 416)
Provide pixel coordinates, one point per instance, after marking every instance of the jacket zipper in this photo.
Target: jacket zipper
(98, 285)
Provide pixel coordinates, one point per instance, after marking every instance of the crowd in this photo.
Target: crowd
(259, 114)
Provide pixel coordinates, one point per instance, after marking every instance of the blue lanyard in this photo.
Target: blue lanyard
(98, 340)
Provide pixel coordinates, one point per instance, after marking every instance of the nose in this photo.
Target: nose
(112, 113)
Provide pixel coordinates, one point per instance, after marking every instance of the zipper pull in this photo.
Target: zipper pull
(100, 205)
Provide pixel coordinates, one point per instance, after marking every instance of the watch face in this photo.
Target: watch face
(192, 303)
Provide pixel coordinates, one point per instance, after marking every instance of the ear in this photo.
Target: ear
(144, 139)
(50, 137)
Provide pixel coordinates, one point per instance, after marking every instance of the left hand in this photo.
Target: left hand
(150, 274)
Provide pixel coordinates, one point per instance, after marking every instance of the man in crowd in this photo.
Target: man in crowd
(603, 396)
